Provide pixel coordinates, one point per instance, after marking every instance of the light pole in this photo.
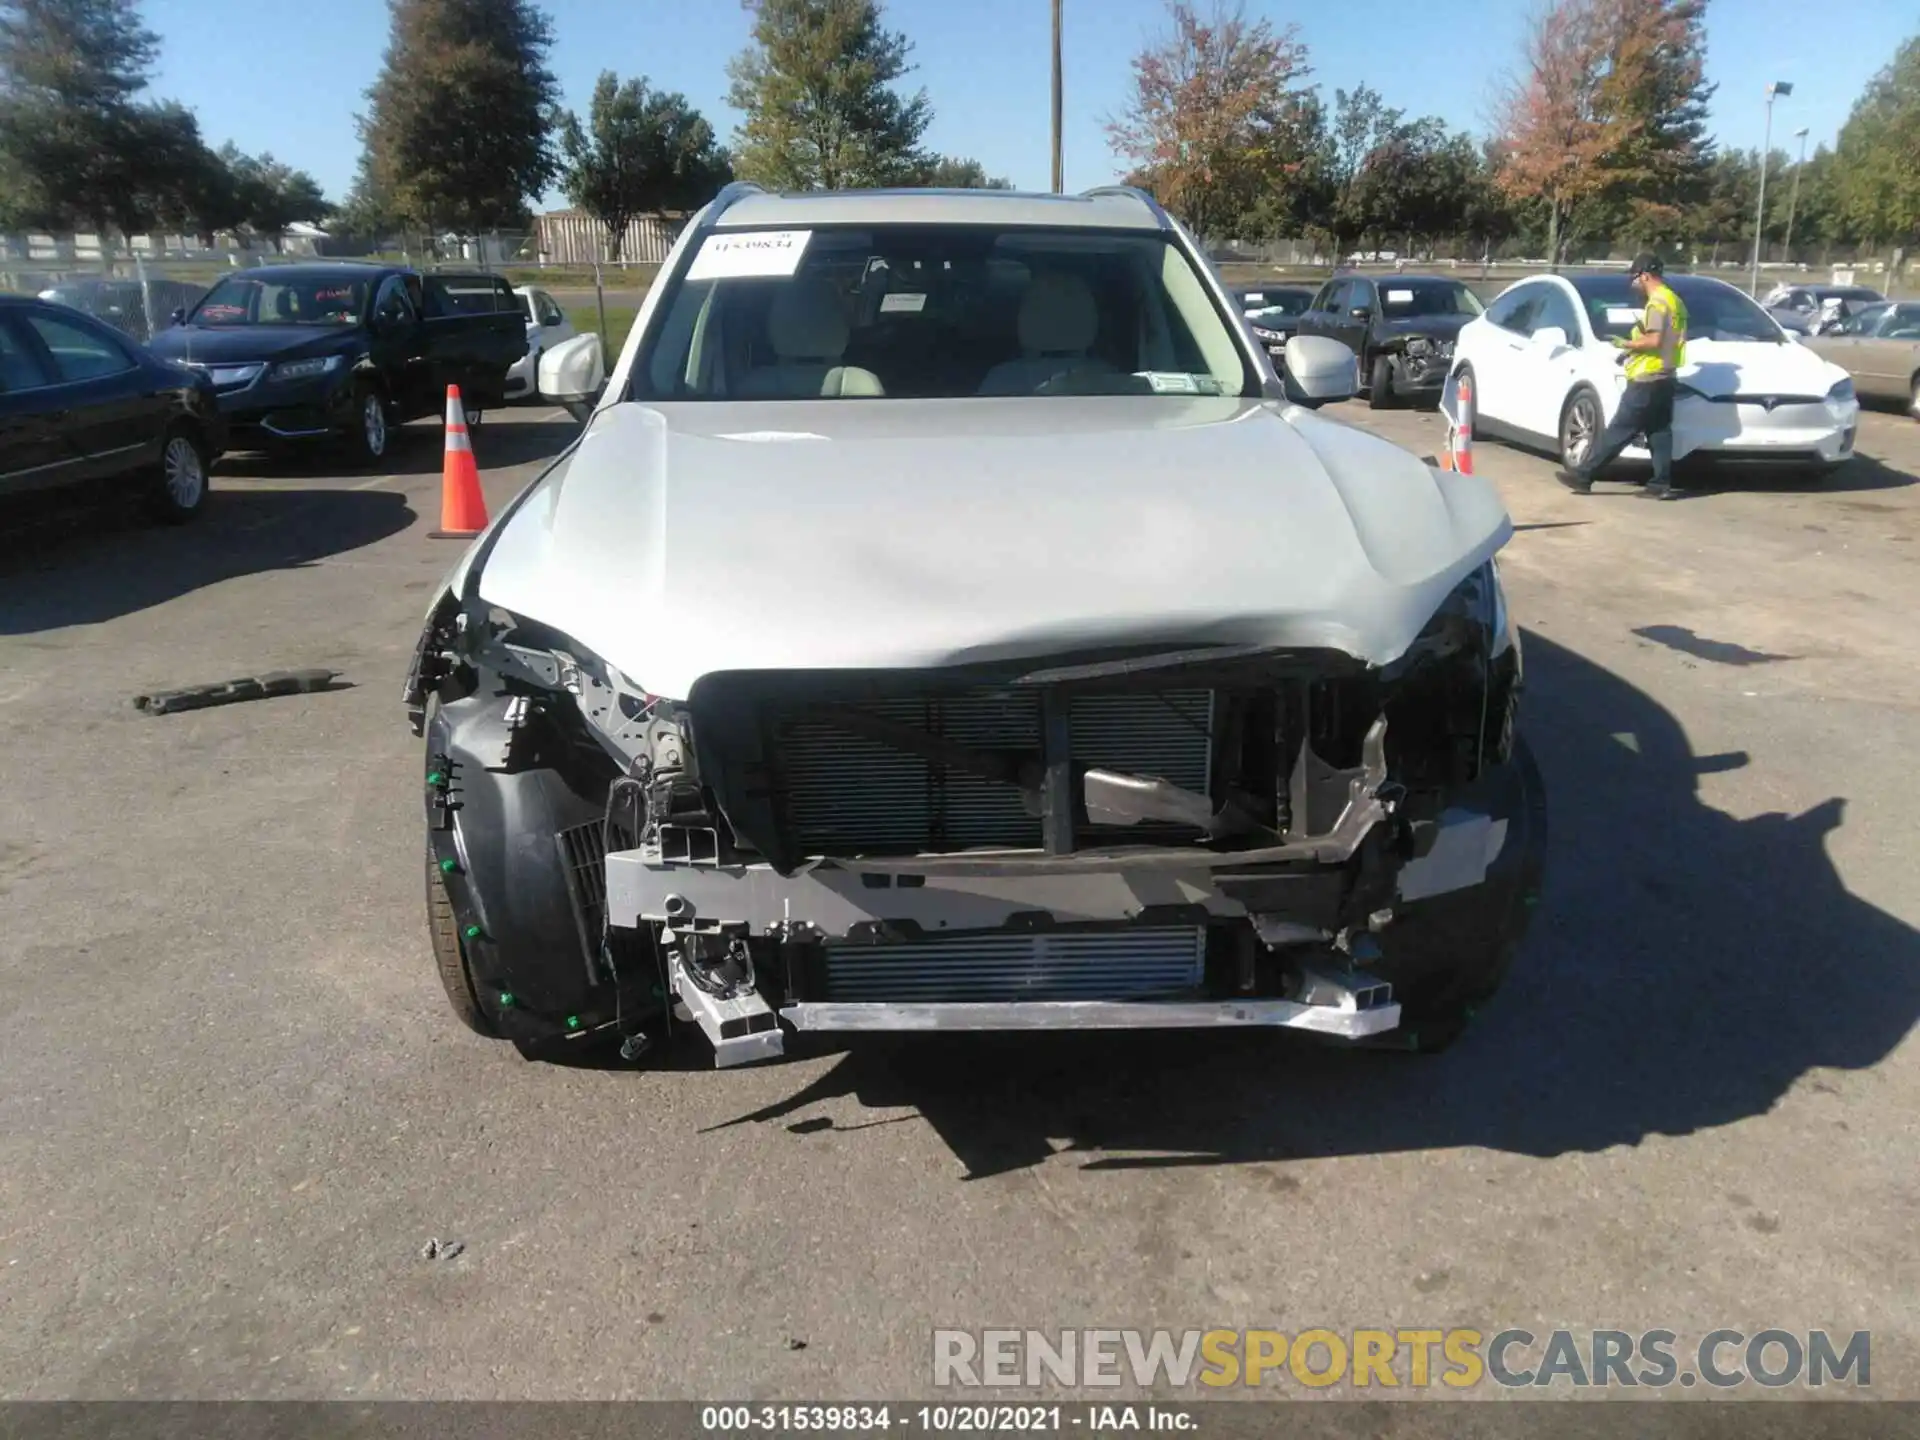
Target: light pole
(1059, 176)
(1777, 87)
(1793, 200)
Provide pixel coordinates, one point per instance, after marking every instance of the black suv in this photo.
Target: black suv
(1402, 327)
(346, 351)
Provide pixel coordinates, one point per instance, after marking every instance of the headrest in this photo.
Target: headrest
(1057, 315)
(805, 322)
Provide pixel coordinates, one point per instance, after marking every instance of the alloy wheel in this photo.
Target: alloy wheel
(185, 472)
(1581, 429)
(373, 417)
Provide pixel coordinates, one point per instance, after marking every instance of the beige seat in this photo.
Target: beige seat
(809, 334)
(1058, 324)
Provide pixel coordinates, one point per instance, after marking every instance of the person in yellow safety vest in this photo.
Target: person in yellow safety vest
(1651, 356)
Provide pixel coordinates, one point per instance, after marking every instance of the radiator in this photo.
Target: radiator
(845, 795)
(1081, 965)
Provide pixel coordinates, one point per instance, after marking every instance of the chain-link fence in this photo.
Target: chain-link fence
(135, 288)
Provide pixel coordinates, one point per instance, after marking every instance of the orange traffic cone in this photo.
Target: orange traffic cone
(1462, 438)
(463, 509)
(1457, 405)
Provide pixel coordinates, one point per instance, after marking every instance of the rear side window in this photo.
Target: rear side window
(20, 367)
(80, 353)
(469, 295)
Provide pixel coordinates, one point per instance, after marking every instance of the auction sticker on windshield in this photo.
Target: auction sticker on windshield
(760, 253)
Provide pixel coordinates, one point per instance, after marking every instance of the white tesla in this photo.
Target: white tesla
(1545, 373)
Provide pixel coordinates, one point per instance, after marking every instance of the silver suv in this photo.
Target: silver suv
(948, 619)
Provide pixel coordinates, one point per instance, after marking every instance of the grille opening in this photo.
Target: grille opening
(583, 860)
(1131, 964)
(843, 794)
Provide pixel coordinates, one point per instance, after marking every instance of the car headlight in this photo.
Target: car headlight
(1260, 334)
(305, 369)
(1419, 345)
(1841, 392)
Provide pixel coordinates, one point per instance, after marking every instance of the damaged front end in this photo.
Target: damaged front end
(1136, 838)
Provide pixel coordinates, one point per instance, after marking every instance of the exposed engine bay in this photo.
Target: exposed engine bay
(1115, 836)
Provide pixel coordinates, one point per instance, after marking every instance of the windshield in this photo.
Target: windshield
(938, 312)
(1403, 299)
(294, 300)
(1715, 311)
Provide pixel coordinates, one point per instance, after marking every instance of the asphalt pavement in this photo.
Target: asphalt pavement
(234, 1106)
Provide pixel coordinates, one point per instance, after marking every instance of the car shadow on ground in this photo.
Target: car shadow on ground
(416, 449)
(84, 557)
(1861, 473)
(1686, 970)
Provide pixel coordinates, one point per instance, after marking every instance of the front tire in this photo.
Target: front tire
(178, 491)
(370, 435)
(450, 955)
(1380, 385)
(1580, 426)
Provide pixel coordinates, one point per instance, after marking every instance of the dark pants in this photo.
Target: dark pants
(1645, 409)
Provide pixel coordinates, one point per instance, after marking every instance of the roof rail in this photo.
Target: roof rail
(1133, 192)
(730, 192)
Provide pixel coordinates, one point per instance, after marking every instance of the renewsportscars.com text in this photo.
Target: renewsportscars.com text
(1416, 1359)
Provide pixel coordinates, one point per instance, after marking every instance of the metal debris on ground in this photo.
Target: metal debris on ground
(229, 692)
(441, 1249)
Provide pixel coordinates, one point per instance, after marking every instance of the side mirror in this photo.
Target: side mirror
(179, 315)
(1319, 371)
(1550, 337)
(573, 373)
(1361, 312)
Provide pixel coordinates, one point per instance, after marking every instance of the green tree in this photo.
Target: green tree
(1358, 138)
(1876, 167)
(459, 128)
(275, 195)
(816, 88)
(951, 172)
(1654, 88)
(74, 141)
(640, 152)
(1218, 124)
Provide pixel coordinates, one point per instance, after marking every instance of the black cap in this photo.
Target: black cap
(1645, 263)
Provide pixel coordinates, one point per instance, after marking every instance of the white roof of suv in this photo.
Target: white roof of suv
(1116, 209)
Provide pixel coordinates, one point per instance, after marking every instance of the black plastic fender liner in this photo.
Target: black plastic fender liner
(1461, 942)
(508, 883)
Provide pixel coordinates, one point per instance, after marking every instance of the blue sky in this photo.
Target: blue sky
(288, 78)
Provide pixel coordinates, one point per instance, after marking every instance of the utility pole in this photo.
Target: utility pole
(1777, 87)
(1059, 177)
(1793, 200)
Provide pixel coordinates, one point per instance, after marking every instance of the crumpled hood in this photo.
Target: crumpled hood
(1756, 367)
(678, 540)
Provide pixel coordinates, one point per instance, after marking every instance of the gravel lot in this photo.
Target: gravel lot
(233, 1106)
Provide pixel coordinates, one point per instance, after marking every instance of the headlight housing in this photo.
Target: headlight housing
(1419, 345)
(305, 369)
(1842, 392)
(1263, 334)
